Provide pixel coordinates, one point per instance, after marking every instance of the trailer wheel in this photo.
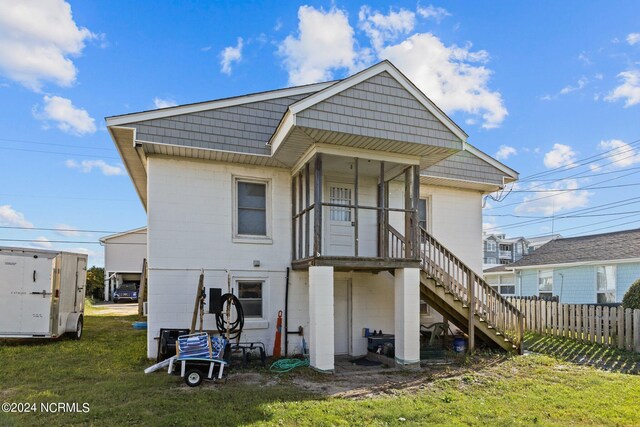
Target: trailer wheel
(78, 333)
(193, 378)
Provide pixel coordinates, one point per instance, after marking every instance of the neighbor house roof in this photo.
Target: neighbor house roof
(619, 245)
(141, 230)
(497, 269)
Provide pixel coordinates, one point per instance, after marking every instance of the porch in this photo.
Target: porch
(355, 213)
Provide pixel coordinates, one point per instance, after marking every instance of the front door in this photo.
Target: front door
(341, 316)
(340, 224)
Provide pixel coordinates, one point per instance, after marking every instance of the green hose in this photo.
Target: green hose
(286, 365)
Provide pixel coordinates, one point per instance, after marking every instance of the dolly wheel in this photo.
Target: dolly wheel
(78, 333)
(193, 378)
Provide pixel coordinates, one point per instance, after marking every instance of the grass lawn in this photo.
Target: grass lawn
(105, 369)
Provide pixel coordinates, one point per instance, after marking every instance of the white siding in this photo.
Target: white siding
(125, 253)
(456, 221)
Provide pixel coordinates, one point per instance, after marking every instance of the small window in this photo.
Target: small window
(507, 290)
(491, 246)
(491, 261)
(340, 196)
(251, 208)
(250, 296)
(545, 283)
(606, 284)
(423, 209)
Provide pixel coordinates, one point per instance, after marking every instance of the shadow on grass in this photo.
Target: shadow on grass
(597, 355)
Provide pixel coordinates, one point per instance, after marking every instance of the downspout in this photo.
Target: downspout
(286, 315)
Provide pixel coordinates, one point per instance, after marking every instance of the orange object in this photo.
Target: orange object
(277, 343)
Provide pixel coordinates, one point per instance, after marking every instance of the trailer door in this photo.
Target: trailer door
(36, 297)
(11, 293)
(81, 279)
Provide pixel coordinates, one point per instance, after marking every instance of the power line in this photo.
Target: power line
(564, 216)
(63, 230)
(576, 189)
(57, 152)
(66, 197)
(88, 242)
(605, 228)
(57, 145)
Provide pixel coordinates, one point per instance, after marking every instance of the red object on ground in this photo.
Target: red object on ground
(277, 342)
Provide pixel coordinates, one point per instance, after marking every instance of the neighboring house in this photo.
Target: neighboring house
(123, 257)
(581, 270)
(536, 242)
(338, 182)
(501, 279)
(499, 250)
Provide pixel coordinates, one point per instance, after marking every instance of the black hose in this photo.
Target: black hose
(235, 327)
(286, 315)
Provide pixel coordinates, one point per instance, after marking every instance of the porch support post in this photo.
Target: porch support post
(415, 195)
(321, 320)
(294, 210)
(382, 229)
(407, 315)
(408, 217)
(307, 196)
(317, 212)
(355, 202)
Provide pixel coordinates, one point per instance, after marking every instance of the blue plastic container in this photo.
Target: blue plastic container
(459, 344)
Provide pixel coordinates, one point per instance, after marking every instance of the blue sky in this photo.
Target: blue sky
(541, 85)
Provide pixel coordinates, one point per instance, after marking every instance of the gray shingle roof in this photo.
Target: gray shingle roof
(598, 247)
(498, 269)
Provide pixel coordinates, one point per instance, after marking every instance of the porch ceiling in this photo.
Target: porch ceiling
(300, 139)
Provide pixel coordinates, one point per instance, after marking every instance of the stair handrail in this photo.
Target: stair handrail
(443, 266)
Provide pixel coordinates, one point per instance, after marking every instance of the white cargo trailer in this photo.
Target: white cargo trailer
(41, 293)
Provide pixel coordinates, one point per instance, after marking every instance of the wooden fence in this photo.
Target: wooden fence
(609, 326)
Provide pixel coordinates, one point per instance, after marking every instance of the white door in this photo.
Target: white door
(341, 316)
(36, 302)
(340, 226)
(81, 279)
(11, 293)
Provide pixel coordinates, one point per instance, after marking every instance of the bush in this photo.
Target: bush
(632, 297)
(95, 283)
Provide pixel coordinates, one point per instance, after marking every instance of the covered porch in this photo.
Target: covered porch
(355, 212)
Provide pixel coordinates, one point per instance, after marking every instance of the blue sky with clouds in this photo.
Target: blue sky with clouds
(540, 85)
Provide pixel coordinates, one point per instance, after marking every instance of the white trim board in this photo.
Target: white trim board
(576, 264)
(213, 105)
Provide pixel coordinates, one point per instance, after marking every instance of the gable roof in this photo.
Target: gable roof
(619, 245)
(141, 230)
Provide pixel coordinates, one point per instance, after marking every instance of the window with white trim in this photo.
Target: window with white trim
(250, 296)
(491, 246)
(423, 213)
(605, 284)
(545, 283)
(251, 208)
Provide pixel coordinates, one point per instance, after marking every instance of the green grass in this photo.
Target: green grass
(105, 369)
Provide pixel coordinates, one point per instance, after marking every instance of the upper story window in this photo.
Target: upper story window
(491, 246)
(545, 283)
(606, 284)
(251, 214)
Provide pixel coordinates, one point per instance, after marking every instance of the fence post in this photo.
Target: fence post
(628, 341)
(607, 328)
(565, 319)
(598, 320)
(592, 323)
(636, 329)
(620, 327)
(579, 328)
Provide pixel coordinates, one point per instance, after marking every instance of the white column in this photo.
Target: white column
(321, 344)
(407, 315)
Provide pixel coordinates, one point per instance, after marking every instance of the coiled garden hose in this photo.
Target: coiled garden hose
(235, 327)
(286, 365)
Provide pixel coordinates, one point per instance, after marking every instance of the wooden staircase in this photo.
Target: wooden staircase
(464, 298)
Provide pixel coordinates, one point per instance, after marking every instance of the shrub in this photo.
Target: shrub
(632, 297)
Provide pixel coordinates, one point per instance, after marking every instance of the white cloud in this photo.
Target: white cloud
(164, 103)
(619, 155)
(385, 28)
(42, 242)
(13, 218)
(325, 43)
(278, 25)
(633, 38)
(68, 118)
(560, 155)
(449, 76)
(86, 166)
(66, 230)
(505, 152)
(584, 58)
(454, 77)
(431, 11)
(582, 82)
(229, 55)
(37, 39)
(629, 90)
(554, 198)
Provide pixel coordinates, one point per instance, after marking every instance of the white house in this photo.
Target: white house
(124, 254)
(362, 187)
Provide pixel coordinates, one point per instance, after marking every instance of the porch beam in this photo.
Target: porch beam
(300, 222)
(415, 195)
(408, 225)
(381, 212)
(306, 206)
(294, 217)
(317, 196)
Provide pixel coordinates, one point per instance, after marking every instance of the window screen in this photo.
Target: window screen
(606, 284)
(250, 296)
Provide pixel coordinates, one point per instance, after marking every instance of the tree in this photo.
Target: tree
(632, 297)
(95, 283)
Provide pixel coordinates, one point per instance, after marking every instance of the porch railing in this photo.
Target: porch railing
(397, 245)
(458, 279)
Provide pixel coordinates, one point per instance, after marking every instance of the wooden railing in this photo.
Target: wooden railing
(458, 279)
(396, 248)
